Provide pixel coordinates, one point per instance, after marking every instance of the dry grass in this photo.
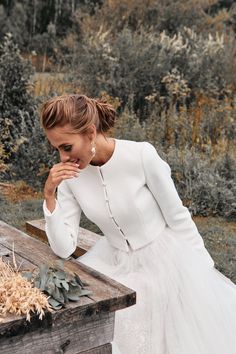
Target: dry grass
(45, 84)
(19, 191)
(18, 296)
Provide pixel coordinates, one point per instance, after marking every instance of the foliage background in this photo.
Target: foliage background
(168, 67)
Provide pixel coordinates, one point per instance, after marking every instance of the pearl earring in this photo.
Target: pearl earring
(93, 149)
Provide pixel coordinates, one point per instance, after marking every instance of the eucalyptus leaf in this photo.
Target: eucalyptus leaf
(60, 274)
(60, 285)
(65, 293)
(60, 264)
(73, 297)
(65, 285)
(43, 269)
(27, 275)
(50, 288)
(57, 282)
(43, 276)
(75, 291)
(57, 295)
(73, 282)
(55, 304)
(85, 292)
(79, 281)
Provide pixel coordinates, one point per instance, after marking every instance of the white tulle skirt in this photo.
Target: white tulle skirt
(184, 305)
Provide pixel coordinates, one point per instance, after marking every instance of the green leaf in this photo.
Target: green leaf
(85, 292)
(64, 292)
(60, 264)
(43, 276)
(60, 274)
(55, 304)
(79, 281)
(27, 275)
(73, 282)
(61, 286)
(50, 287)
(65, 285)
(73, 297)
(73, 289)
(57, 295)
(57, 282)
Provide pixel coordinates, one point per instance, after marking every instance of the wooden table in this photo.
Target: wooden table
(84, 327)
(86, 240)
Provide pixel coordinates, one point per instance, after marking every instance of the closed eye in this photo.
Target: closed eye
(67, 148)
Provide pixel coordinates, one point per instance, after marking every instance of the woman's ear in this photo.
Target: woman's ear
(92, 132)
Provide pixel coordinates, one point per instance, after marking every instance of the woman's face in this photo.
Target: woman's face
(72, 146)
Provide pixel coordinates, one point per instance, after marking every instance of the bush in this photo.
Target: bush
(17, 107)
(200, 183)
(23, 151)
(204, 170)
(143, 63)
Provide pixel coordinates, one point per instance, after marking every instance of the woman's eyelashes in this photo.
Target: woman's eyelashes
(67, 148)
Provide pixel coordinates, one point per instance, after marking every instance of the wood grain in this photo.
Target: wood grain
(86, 238)
(70, 336)
(108, 295)
(104, 349)
(83, 327)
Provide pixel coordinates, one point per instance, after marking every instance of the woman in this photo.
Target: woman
(151, 244)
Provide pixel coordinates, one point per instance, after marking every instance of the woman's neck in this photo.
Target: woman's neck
(104, 150)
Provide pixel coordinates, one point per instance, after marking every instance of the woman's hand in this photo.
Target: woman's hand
(58, 173)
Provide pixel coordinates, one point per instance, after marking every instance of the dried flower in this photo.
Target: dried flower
(18, 296)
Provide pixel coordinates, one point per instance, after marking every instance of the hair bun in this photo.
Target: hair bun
(106, 114)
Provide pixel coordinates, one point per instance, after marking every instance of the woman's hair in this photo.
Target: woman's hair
(79, 111)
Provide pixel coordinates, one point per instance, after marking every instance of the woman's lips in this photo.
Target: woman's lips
(75, 161)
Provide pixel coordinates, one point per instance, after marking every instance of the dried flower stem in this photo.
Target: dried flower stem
(18, 296)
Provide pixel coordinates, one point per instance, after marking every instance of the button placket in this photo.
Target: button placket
(108, 204)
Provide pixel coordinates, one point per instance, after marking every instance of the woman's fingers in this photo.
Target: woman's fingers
(65, 167)
(58, 173)
(63, 174)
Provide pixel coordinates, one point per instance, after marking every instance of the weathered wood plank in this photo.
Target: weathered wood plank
(104, 349)
(86, 238)
(84, 327)
(73, 336)
(22, 263)
(107, 293)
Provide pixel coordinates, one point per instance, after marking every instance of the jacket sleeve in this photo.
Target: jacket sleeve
(62, 225)
(177, 216)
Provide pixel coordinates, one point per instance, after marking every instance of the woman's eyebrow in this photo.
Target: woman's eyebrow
(64, 144)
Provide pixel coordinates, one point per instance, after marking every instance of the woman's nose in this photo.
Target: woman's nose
(64, 156)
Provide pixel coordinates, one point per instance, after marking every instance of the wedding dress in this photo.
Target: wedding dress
(150, 244)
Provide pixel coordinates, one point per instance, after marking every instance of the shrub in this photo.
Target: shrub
(140, 64)
(204, 170)
(23, 150)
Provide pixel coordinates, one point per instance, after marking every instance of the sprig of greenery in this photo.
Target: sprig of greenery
(60, 285)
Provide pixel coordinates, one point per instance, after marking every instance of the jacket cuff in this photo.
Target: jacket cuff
(47, 213)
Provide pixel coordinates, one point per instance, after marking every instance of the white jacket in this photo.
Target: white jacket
(131, 198)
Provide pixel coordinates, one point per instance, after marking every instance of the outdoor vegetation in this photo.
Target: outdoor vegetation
(167, 66)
